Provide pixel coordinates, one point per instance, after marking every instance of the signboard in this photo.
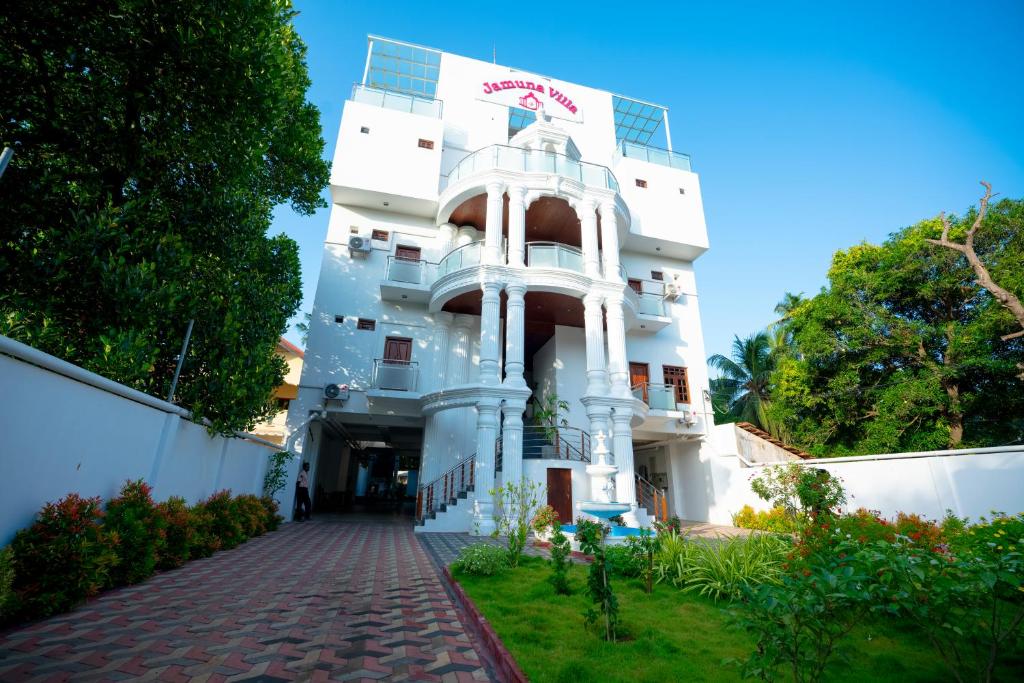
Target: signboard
(516, 89)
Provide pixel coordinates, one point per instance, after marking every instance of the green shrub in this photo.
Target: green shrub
(642, 549)
(545, 519)
(482, 559)
(591, 536)
(63, 558)
(514, 508)
(775, 520)
(621, 561)
(251, 514)
(560, 550)
(8, 602)
(722, 568)
(272, 519)
(797, 488)
(179, 533)
(225, 521)
(204, 541)
(141, 532)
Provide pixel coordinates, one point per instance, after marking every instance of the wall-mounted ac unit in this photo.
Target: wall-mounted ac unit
(336, 392)
(671, 290)
(358, 244)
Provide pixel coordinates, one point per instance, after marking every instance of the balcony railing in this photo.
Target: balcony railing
(650, 294)
(532, 161)
(395, 375)
(554, 255)
(655, 155)
(651, 304)
(657, 396)
(413, 271)
(388, 99)
(466, 256)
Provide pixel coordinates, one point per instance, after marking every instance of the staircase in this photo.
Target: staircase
(651, 500)
(551, 443)
(438, 505)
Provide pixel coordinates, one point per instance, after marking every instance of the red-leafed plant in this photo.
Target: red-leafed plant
(141, 529)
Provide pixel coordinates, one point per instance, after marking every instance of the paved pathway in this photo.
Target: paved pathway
(331, 599)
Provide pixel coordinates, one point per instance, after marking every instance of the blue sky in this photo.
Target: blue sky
(813, 127)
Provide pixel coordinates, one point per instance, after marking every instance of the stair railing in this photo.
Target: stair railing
(652, 498)
(556, 443)
(459, 478)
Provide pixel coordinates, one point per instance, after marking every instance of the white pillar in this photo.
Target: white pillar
(516, 225)
(617, 364)
(446, 235)
(461, 351)
(512, 442)
(597, 367)
(466, 235)
(610, 241)
(585, 209)
(515, 330)
(490, 334)
(486, 435)
(429, 455)
(442, 340)
(492, 233)
(625, 484)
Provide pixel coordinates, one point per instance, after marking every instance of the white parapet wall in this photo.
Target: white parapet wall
(969, 482)
(66, 430)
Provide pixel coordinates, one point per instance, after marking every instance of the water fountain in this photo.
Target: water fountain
(602, 486)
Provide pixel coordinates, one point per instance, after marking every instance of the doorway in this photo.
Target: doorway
(560, 492)
(639, 376)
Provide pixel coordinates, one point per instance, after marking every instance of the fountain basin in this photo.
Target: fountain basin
(603, 510)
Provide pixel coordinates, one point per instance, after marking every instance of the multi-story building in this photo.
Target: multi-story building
(498, 239)
(274, 428)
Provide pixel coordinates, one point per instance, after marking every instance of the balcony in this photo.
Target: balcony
(554, 255)
(407, 280)
(505, 158)
(650, 305)
(394, 375)
(466, 256)
(665, 413)
(655, 155)
(387, 99)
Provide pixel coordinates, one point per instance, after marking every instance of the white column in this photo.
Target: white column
(610, 241)
(516, 225)
(492, 233)
(446, 235)
(461, 351)
(442, 339)
(512, 442)
(617, 365)
(490, 334)
(597, 368)
(466, 235)
(429, 456)
(625, 484)
(588, 234)
(486, 435)
(515, 330)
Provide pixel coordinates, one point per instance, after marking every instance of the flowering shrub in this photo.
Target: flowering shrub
(179, 533)
(270, 509)
(141, 531)
(205, 541)
(545, 519)
(797, 488)
(775, 520)
(251, 514)
(225, 522)
(672, 525)
(482, 559)
(63, 558)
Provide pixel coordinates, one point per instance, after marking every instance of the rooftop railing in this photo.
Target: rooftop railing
(395, 375)
(532, 161)
(655, 155)
(388, 99)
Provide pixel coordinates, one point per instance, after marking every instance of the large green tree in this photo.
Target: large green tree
(152, 141)
(741, 391)
(903, 350)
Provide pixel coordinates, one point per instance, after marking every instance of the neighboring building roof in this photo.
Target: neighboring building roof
(761, 434)
(288, 346)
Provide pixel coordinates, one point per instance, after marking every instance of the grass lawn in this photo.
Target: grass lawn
(669, 635)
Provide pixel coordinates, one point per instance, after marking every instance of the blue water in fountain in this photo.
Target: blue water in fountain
(616, 532)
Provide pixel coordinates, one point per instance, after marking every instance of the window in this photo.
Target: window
(397, 350)
(353, 229)
(657, 275)
(682, 190)
(676, 377)
(382, 235)
(364, 129)
(366, 324)
(426, 144)
(641, 183)
(407, 253)
(283, 403)
(403, 68)
(339, 318)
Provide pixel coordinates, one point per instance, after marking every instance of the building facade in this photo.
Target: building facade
(275, 428)
(507, 280)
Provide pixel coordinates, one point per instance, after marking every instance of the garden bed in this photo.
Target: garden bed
(667, 635)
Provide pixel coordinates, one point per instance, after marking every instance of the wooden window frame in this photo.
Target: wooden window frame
(682, 391)
(407, 341)
(380, 235)
(426, 144)
(641, 183)
(367, 324)
(399, 248)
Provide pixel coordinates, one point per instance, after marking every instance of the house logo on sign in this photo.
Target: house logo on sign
(529, 101)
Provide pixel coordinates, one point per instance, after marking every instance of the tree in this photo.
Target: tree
(902, 351)
(152, 142)
(742, 389)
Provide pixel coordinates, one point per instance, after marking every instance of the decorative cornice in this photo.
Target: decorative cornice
(470, 395)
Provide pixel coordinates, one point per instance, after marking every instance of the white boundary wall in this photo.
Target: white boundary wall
(64, 429)
(970, 482)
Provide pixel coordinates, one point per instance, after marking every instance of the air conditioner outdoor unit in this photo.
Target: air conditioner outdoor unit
(336, 392)
(671, 291)
(357, 244)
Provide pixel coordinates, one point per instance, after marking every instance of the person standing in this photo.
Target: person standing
(302, 500)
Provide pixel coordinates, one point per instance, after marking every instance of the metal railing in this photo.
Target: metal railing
(413, 271)
(556, 443)
(446, 488)
(509, 158)
(657, 396)
(655, 155)
(395, 375)
(554, 255)
(651, 498)
(388, 99)
(466, 256)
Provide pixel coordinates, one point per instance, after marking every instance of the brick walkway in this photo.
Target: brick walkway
(332, 599)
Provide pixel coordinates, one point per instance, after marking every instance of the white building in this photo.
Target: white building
(495, 236)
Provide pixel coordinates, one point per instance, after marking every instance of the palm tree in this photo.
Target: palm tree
(742, 388)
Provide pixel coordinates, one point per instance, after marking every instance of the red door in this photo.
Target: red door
(397, 350)
(639, 376)
(560, 492)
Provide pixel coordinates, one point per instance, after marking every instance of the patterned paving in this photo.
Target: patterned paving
(332, 599)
